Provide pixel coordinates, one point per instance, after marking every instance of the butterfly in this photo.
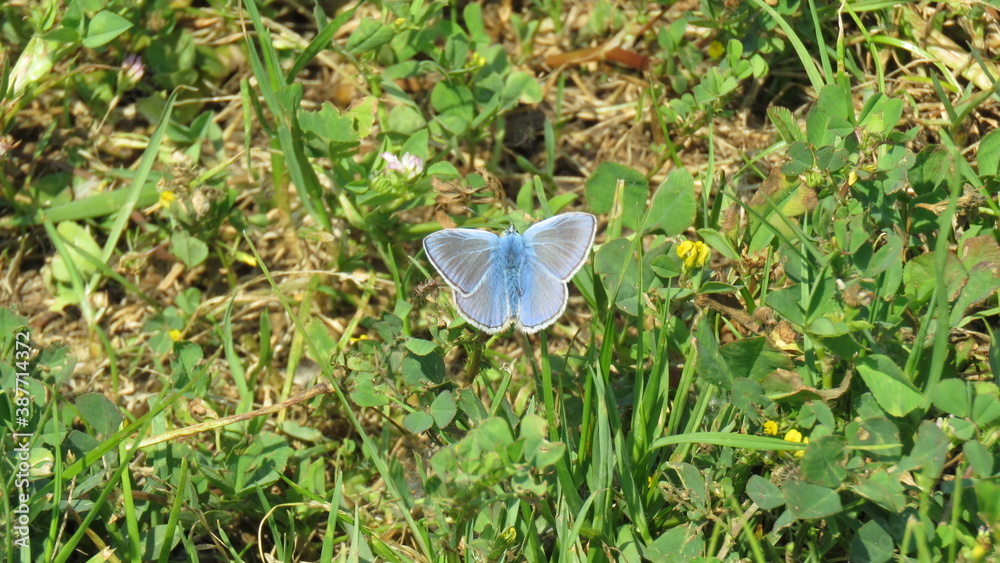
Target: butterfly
(513, 279)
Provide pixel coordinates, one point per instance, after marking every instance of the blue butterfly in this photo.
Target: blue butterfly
(513, 279)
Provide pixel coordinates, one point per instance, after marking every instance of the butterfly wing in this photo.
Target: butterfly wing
(543, 299)
(465, 259)
(461, 256)
(555, 250)
(561, 244)
(488, 307)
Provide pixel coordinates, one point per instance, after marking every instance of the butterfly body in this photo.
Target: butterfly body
(513, 279)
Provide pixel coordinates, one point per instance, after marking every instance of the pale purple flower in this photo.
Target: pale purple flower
(134, 69)
(411, 166)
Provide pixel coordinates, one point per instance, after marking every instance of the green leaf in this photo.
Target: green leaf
(787, 303)
(680, 543)
(822, 463)
(80, 244)
(99, 205)
(419, 346)
(329, 131)
(933, 167)
(752, 358)
(538, 451)
(188, 249)
(952, 397)
(99, 412)
(987, 494)
(894, 162)
(961, 429)
(811, 501)
(985, 409)
(471, 406)
(883, 489)
(673, 206)
(454, 105)
(417, 422)
(303, 433)
(748, 396)
(872, 544)
(693, 482)
(424, 369)
(880, 115)
(523, 88)
(988, 156)
(920, 281)
(443, 409)
(889, 385)
(785, 123)
(261, 464)
(710, 364)
(104, 28)
(930, 450)
(368, 36)
(365, 395)
(80, 444)
(801, 159)
(473, 16)
(980, 458)
(667, 265)
(719, 243)
(615, 264)
(878, 437)
(766, 494)
(600, 190)
(405, 120)
(832, 116)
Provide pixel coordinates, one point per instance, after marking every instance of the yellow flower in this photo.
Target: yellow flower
(478, 60)
(796, 436)
(510, 534)
(801, 453)
(694, 254)
(247, 259)
(176, 335)
(771, 428)
(715, 49)
(167, 197)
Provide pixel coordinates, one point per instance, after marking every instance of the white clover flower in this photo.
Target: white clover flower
(411, 166)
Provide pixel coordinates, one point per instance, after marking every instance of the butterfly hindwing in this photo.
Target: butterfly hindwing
(543, 299)
(488, 307)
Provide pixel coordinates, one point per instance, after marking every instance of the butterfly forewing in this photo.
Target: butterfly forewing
(561, 244)
(461, 256)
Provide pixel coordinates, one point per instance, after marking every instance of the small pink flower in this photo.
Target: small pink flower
(410, 167)
(133, 67)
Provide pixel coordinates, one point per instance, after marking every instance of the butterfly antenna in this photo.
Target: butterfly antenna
(484, 218)
(528, 219)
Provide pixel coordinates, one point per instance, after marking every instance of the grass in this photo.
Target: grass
(221, 339)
